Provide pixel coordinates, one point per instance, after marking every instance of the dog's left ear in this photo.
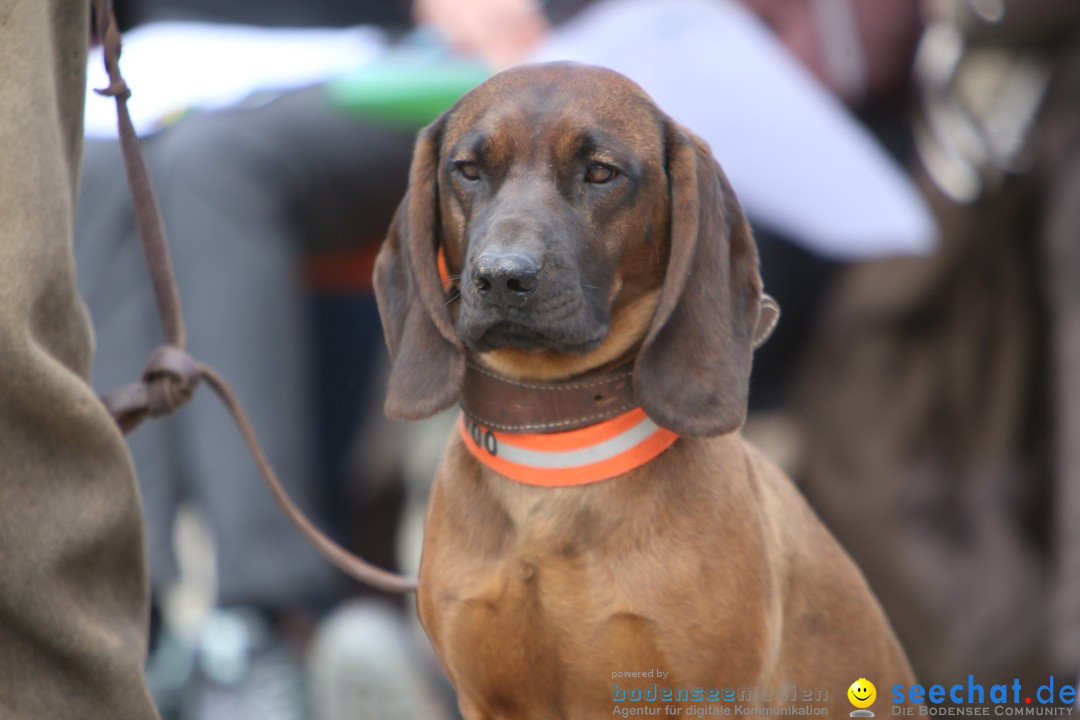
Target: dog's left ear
(692, 374)
(427, 358)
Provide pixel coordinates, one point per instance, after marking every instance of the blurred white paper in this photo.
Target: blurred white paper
(800, 164)
(173, 67)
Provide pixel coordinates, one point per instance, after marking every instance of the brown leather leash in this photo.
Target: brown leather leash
(172, 375)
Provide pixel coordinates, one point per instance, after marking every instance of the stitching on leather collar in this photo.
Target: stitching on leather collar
(564, 386)
(549, 425)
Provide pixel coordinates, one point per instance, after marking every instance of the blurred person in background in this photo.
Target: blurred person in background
(249, 183)
(942, 409)
(862, 52)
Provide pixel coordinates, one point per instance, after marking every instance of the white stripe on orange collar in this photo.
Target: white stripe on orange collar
(576, 457)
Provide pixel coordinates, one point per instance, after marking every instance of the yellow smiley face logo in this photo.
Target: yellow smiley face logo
(862, 693)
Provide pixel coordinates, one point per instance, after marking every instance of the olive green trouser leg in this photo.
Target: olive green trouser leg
(73, 600)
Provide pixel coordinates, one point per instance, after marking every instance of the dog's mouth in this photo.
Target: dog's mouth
(559, 320)
(509, 334)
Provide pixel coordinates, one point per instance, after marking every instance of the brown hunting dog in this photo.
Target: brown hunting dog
(579, 230)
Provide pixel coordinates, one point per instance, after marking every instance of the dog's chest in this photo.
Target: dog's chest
(537, 626)
(537, 596)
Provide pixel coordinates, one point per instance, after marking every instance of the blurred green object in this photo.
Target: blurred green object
(405, 92)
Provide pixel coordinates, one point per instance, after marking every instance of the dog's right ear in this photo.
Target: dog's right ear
(427, 358)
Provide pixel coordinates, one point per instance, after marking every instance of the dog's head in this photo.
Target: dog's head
(581, 228)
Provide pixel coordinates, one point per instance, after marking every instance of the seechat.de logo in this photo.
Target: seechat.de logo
(1051, 698)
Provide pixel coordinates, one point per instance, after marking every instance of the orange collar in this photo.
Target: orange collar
(576, 457)
(444, 274)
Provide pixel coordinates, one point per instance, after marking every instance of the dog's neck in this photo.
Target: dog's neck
(558, 434)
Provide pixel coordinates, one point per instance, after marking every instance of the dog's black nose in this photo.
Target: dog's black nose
(505, 278)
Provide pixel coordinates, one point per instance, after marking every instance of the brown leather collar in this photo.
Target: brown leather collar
(504, 404)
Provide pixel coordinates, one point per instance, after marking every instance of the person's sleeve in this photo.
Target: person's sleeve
(73, 598)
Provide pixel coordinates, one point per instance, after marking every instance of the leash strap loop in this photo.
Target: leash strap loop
(167, 384)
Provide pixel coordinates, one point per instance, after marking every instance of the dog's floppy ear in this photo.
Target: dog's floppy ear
(693, 370)
(427, 359)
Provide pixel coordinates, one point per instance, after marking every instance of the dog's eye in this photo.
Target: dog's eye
(598, 173)
(469, 170)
